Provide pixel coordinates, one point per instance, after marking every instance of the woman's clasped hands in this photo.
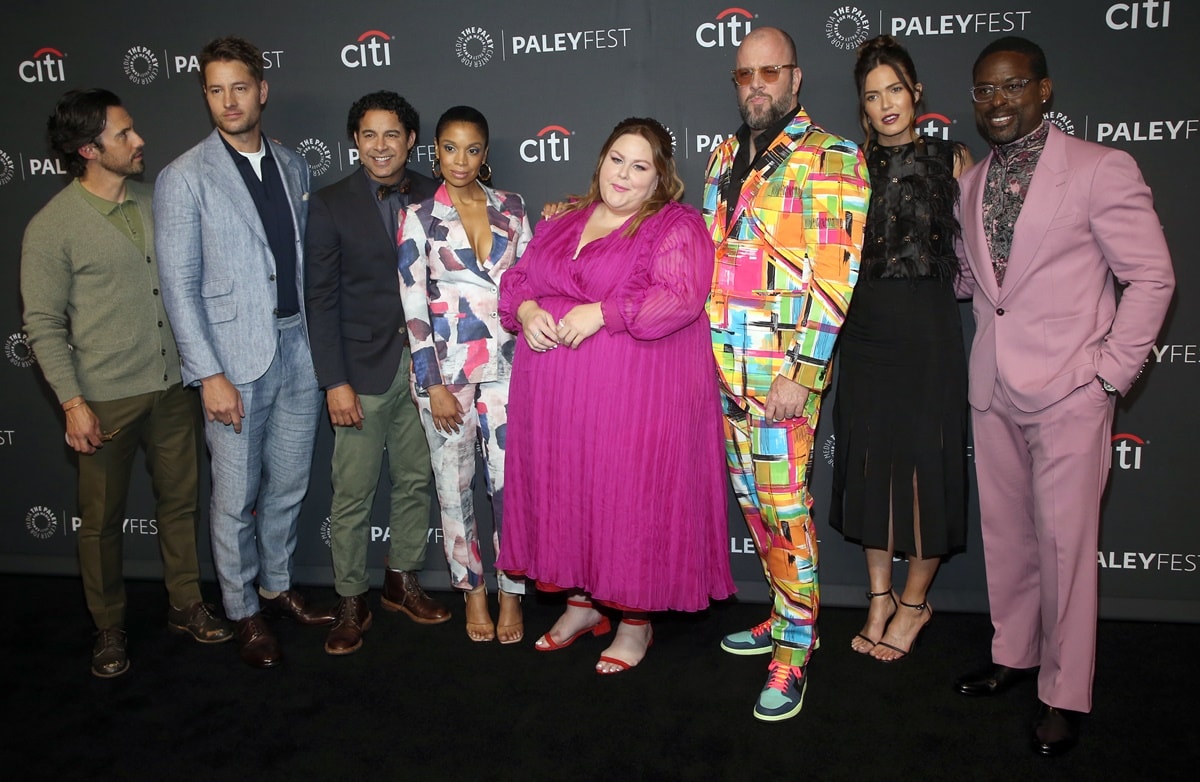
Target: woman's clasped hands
(542, 332)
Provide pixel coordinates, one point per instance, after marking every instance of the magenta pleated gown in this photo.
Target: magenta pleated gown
(615, 480)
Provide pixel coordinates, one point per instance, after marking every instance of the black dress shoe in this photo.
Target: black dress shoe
(1055, 730)
(258, 645)
(992, 680)
(291, 604)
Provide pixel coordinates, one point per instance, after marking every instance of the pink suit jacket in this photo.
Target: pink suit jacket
(1055, 325)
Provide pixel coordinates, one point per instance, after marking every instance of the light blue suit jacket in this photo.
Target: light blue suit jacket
(215, 263)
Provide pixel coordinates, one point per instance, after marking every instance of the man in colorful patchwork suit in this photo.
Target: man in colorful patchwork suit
(785, 202)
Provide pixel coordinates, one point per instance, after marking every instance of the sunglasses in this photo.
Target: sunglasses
(769, 73)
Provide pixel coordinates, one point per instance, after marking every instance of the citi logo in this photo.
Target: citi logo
(1131, 16)
(373, 49)
(934, 126)
(1127, 451)
(46, 64)
(551, 145)
(727, 30)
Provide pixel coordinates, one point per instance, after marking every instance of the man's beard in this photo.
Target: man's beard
(764, 118)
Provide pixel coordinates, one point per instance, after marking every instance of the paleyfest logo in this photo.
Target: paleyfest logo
(141, 66)
(474, 47)
(847, 27)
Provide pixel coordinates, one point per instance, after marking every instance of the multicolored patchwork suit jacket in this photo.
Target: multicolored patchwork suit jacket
(787, 263)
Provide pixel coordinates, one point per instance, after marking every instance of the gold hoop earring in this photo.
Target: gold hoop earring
(482, 176)
(436, 168)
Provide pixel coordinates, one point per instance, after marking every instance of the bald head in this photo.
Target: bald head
(772, 35)
(768, 95)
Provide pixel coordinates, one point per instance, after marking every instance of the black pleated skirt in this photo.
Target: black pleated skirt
(900, 419)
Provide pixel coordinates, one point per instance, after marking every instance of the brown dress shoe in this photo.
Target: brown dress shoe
(200, 622)
(291, 605)
(353, 619)
(108, 655)
(259, 646)
(402, 592)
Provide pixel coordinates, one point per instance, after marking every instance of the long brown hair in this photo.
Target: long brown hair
(885, 50)
(670, 186)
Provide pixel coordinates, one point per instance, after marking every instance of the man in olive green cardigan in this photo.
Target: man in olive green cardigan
(96, 323)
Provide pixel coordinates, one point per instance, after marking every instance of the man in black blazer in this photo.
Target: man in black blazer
(360, 351)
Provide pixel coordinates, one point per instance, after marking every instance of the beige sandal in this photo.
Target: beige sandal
(479, 620)
(509, 631)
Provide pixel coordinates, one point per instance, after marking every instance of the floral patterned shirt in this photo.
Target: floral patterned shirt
(1008, 179)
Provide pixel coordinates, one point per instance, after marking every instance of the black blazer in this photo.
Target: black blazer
(351, 291)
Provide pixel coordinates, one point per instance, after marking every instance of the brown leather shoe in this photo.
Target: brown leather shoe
(200, 622)
(259, 646)
(291, 605)
(402, 592)
(108, 655)
(353, 619)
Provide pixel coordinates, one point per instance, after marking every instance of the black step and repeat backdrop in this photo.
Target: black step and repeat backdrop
(553, 78)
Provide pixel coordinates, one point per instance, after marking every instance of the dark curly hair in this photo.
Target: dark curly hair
(383, 100)
(78, 120)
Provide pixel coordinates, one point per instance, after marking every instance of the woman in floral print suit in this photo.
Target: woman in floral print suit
(453, 249)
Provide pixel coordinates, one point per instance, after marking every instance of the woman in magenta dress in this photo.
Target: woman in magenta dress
(616, 488)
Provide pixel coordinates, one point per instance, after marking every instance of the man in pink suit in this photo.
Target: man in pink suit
(1050, 224)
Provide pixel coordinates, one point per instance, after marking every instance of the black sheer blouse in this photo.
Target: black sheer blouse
(911, 227)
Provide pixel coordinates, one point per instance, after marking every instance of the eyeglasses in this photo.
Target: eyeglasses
(769, 73)
(1013, 89)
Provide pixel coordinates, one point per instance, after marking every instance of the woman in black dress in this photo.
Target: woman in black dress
(899, 483)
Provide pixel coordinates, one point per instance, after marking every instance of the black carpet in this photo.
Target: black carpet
(425, 703)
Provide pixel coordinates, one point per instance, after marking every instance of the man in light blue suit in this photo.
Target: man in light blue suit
(231, 215)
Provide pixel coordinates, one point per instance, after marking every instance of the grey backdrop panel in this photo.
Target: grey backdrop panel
(553, 78)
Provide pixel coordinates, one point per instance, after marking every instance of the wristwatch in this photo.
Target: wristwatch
(1107, 386)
